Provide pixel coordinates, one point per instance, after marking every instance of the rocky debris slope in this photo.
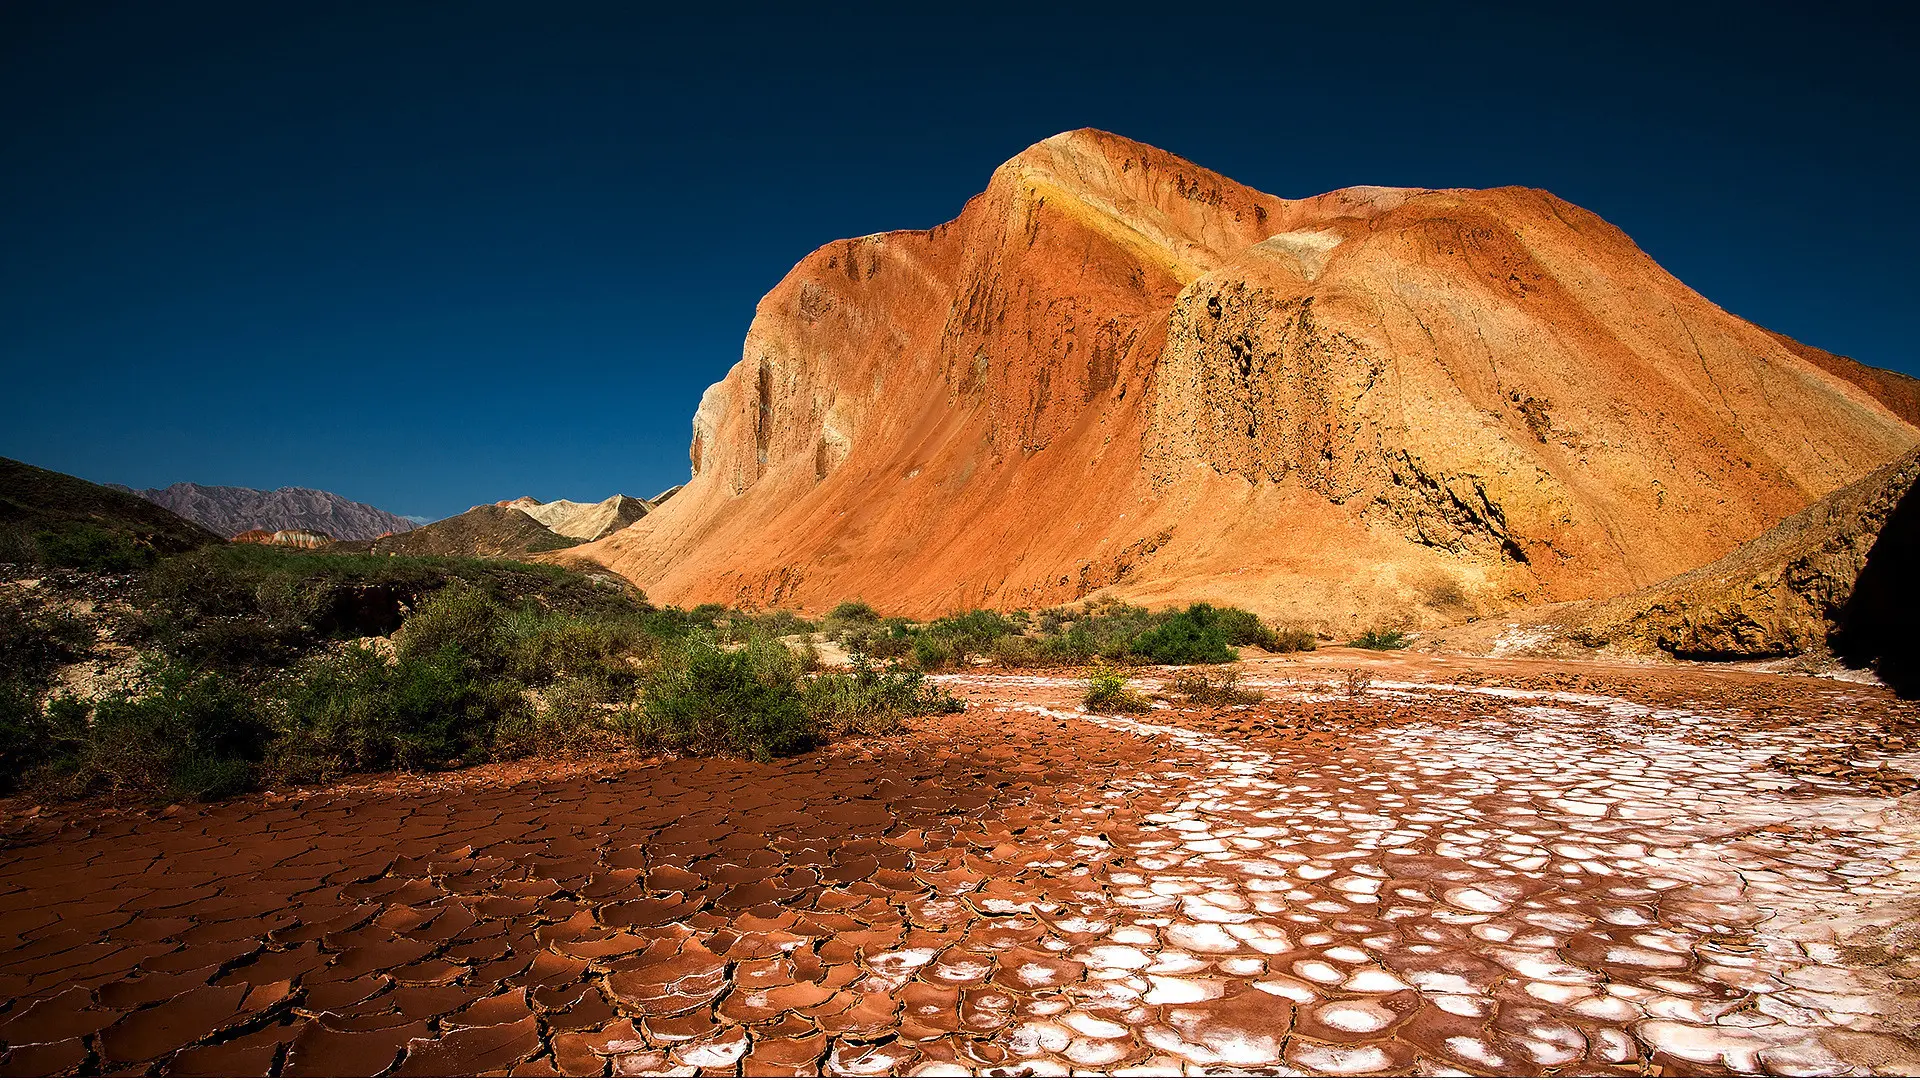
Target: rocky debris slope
(232, 510)
(585, 521)
(484, 532)
(1117, 370)
(1839, 576)
(35, 500)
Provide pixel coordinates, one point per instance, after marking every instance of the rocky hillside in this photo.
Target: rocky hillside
(38, 503)
(1118, 370)
(1840, 576)
(584, 521)
(1786, 592)
(233, 510)
(484, 532)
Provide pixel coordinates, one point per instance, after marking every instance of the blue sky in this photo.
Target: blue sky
(428, 256)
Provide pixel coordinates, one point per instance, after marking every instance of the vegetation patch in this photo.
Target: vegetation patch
(194, 735)
(272, 666)
(1108, 690)
(1194, 636)
(1380, 639)
(1295, 638)
(704, 698)
(874, 700)
(269, 665)
(1211, 686)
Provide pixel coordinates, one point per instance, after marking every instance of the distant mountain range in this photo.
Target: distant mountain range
(230, 511)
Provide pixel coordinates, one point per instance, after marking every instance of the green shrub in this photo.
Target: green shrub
(17, 543)
(708, 616)
(1212, 686)
(461, 621)
(932, 653)
(542, 646)
(873, 700)
(1054, 619)
(577, 715)
(889, 640)
(81, 546)
(357, 712)
(848, 611)
(1021, 652)
(704, 698)
(1193, 636)
(1107, 691)
(244, 608)
(1108, 631)
(779, 623)
(193, 735)
(22, 741)
(1380, 638)
(1241, 627)
(34, 640)
(956, 639)
(39, 740)
(849, 616)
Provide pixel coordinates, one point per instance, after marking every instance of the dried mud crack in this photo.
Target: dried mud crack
(1514, 870)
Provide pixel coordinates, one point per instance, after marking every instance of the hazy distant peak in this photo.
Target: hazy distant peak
(230, 511)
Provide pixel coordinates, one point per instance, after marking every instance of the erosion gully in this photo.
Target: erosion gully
(1391, 865)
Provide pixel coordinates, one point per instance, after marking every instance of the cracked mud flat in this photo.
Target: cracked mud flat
(1481, 867)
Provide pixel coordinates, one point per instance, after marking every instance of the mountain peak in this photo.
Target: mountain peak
(1117, 370)
(231, 511)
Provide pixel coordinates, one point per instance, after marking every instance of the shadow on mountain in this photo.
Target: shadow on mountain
(1876, 626)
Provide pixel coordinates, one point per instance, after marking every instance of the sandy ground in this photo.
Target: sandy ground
(1393, 864)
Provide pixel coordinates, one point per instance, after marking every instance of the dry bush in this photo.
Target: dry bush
(1293, 637)
(1212, 686)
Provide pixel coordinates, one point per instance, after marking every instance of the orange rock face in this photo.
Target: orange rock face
(1118, 370)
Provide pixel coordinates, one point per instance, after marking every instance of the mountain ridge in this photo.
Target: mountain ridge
(487, 531)
(230, 511)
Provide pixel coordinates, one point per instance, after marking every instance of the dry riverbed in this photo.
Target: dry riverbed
(1393, 864)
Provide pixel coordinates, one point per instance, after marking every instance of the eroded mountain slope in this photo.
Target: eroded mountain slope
(1117, 369)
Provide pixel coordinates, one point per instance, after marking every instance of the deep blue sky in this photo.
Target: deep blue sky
(427, 256)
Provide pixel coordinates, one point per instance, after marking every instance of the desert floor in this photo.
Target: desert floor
(1395, 863)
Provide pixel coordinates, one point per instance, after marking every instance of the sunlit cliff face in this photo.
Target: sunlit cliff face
(1115, 369)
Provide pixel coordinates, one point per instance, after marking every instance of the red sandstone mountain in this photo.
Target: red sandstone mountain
(1116, 369)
